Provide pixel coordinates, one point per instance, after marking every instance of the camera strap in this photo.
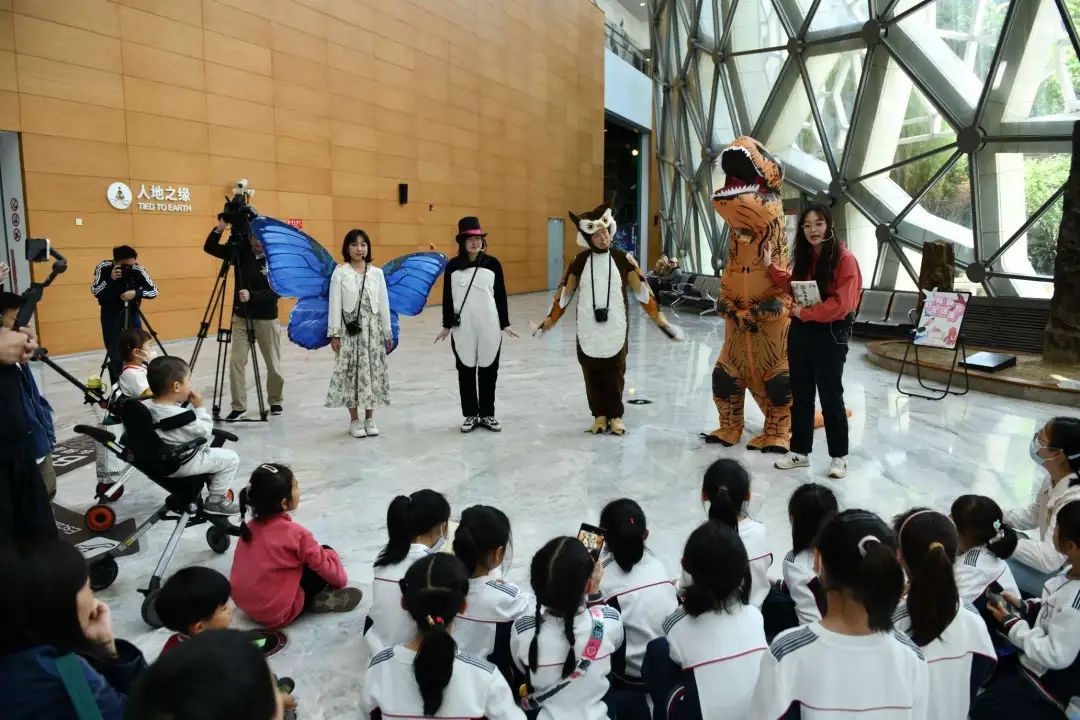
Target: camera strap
(457, 312)
(360, 298)
(532, 700)
(592, 282)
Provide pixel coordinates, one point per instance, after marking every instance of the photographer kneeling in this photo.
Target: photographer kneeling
(120, 285)
(253, 298)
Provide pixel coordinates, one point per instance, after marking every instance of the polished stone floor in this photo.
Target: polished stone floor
(542, 469)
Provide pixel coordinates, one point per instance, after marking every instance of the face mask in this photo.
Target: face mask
(705, 504)
(148, 355)
(1034, 449)
(439, 544)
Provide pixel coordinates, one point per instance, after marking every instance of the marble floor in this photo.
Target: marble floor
(542, 469)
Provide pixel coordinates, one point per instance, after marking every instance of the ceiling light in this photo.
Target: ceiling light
(634, 152)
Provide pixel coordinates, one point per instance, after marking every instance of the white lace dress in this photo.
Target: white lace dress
(361, 378)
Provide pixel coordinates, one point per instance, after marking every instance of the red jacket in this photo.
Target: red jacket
(266, 570)
(843, 292)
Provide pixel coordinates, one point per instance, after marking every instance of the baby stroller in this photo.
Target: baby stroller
(143, 449)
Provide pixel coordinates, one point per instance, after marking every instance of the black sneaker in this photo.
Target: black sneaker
(276, 409)
(236, 415)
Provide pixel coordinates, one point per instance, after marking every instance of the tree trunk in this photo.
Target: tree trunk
(1063, 330)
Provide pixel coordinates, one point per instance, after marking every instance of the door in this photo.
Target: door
(555, 252)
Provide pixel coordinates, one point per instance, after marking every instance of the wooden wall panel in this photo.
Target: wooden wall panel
(485, 107)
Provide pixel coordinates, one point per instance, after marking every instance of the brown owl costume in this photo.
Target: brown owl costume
(603, 276)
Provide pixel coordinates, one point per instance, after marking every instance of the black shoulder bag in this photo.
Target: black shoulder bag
(352, 327)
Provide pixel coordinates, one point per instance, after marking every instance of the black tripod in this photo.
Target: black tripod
(125, 323)
(224, 334)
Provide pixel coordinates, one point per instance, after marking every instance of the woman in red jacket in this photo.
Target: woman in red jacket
(819, 335)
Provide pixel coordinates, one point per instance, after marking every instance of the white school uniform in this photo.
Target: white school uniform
(756, 541)
(646, 596)
(1053, 642)
(979, 568)
(490, 602)
(1041, 516)
(952, 659)
(829, 676)
(583, 698)
(220, 463)
(391, 624)
(799, 572)
(476, 689)
(724, 650)
(133, 383)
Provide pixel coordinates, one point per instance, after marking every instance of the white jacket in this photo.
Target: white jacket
(1041, 515)
(345, 286)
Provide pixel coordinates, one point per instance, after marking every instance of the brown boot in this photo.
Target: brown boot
(776, 436)
(599, 426)
(730, 410)
(617, 427)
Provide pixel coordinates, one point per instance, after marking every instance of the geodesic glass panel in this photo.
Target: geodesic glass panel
(953, 123)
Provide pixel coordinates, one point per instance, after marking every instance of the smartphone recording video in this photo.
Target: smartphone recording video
(592, 538)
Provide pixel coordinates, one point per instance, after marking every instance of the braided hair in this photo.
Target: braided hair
(560, 575)
(434, 590)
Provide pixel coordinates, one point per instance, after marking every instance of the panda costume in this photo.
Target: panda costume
(603, 275)
(475, 315)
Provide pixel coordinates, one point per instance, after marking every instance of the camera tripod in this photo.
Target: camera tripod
(216, 304)
(125, 323)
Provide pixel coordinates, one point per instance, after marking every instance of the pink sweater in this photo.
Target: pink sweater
(266, 571)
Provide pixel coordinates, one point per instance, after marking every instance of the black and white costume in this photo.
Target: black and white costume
(960, 660)
(812, 672)
(978, 569)
(644, 597)
(476, 689)
(388, 624)
(474, 310)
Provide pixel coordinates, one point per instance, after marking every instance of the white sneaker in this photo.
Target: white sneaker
(369, 427)
(491, 423)
(792, 460)
(838, 467)
(469, 424)
(356, 429)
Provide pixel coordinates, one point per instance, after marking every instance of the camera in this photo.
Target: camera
(238, 211)
(456, 322)
(600, 314)
(127, 275)
(352, 327)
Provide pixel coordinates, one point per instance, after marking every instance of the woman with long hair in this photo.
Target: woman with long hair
(819, 336)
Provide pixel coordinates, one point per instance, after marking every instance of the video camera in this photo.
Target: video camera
(38, 250)
(128, 278)
(238, 212)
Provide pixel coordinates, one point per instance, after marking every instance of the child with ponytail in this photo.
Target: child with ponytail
(428, 676)
(852, 661)
(725, 490)
(481, 542)
(985, 543)
(953, 637)
(636, 584)
(717, 637)
(279, 569)
(563, 649)
(417, 526)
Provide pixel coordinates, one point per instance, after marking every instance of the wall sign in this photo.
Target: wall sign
(296, 223)
(155, 198)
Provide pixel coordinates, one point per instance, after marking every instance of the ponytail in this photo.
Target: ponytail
(408, 517)
(624, 526)
(716, 561)
(928, 542)
(245, 531)
(979, 521)
(858, 557)
(434, 590)
(480, 534)
(270, 487)
(559, 573)
(726, 486)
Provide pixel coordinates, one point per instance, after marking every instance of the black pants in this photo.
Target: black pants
(779, 612)
(112, 324)
(1011, 695)
(476, 403)
(816, 356)
(25, 513)
(312, 585)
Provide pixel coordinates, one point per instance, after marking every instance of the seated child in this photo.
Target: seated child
(417, 525)
(986, 542)
(136, 347)
(799, 598)
(483, 628)
(428, 676)
(726, 490)
(1047, 632)
(279, 569)
(170, 382)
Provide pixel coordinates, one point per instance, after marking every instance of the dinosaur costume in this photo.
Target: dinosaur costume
(754, 356)
(603, 276)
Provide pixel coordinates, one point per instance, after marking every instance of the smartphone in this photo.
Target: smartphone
(999, 599)
(592, 538)
(38, 249)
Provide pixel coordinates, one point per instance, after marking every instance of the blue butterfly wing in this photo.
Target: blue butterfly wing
(298, 266)
(409, 280)
(307, 323)
(395, 329)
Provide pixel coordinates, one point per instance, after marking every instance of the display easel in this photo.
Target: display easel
(941, 326)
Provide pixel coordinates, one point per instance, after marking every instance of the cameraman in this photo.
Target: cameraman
(120, 285)
(252, 298)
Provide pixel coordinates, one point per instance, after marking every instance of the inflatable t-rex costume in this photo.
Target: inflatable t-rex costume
(754, 356)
